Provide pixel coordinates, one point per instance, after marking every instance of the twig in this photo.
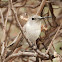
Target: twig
(28, 6)
(6, 24)
(4, 43)
(21, 54)
(41, 7)
(16, 51)
(53, 16)
(2, 17)
(14, 44)
(53, 40)
(3, 38)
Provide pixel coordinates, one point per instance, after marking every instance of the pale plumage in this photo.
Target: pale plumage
(32, 28)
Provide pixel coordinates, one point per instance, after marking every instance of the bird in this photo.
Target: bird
(32, 28)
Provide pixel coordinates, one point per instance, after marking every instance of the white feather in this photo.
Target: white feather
(32, 28)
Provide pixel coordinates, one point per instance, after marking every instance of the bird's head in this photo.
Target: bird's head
(34, 18)
(37, 18)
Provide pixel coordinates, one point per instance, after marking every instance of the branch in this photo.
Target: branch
(15, 43)
(29, 42)
(3, 38)
(21, 54)
(53, 40)
(4, 43)
(53, 16)
(41, 7)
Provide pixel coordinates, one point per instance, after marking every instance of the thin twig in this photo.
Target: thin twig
(53, 16)
(3, 38)
(16, 51)
(53, 40)
(14, 44)
(21, 54)
(41, 7)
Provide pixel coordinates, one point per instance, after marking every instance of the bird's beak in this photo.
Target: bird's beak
(41, 18)
(45, 17)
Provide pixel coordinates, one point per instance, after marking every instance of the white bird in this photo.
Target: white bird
(32, 28)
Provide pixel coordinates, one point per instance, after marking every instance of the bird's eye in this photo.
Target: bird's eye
(32, 18)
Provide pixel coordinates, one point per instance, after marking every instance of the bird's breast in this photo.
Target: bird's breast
(33, 32)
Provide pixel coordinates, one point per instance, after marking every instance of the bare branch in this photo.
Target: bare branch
(41, 7)
(53, 40)
(21, 54)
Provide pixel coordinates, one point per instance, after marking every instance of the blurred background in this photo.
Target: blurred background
(25, 9)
